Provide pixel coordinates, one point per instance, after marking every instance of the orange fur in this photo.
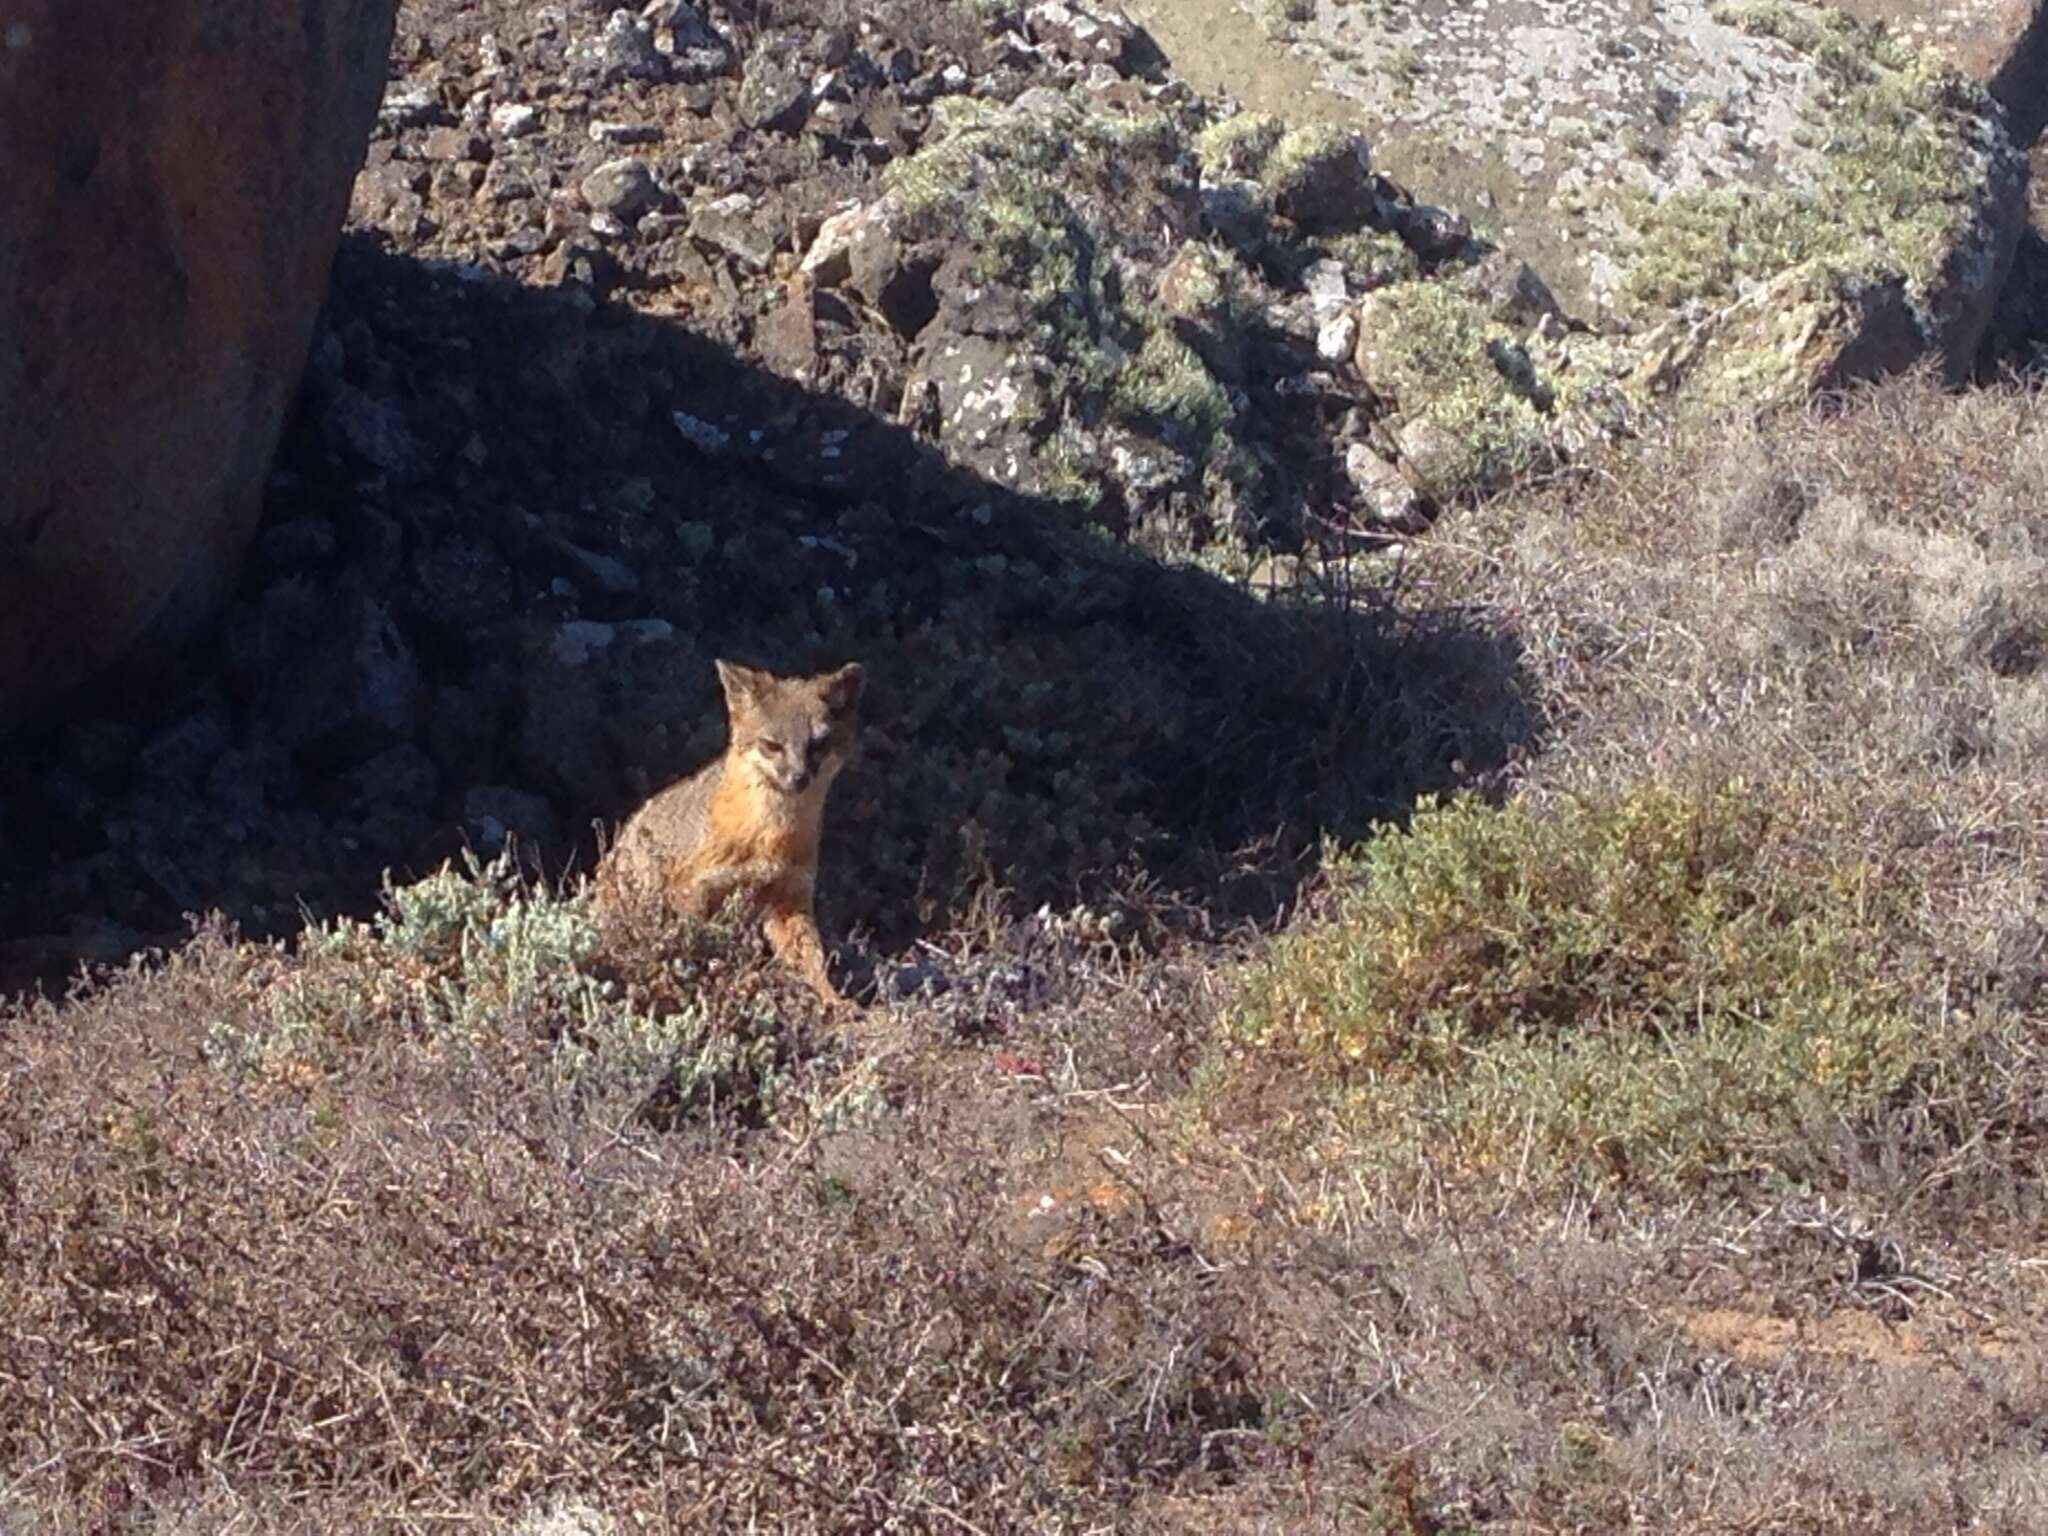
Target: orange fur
(750, 824)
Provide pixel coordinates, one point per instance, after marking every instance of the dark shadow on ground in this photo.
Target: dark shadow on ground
(497, 564)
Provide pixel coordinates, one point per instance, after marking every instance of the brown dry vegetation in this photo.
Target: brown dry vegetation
(455, 1220)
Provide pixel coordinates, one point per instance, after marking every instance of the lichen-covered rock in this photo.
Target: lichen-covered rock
(1811, 329)
(167, 221)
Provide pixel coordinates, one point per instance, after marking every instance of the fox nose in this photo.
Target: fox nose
(800, 778)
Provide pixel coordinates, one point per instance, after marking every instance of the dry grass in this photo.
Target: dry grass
(474, 1216)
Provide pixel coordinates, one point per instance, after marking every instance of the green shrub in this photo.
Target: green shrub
(1655, 982)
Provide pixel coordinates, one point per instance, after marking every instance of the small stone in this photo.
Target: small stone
(828, 262)
(839, 118)
(1328, 289)
(456, 144)
(612, 577)
(1337, 338)
(1431, 232)
(701, 435)
(515, 120)
(1512, 289)
(697, 52)
(1085, 32)
(409, 106)
(624, 188)
(1383, 491)
(775, 94)
(624, 133)
(627, 52)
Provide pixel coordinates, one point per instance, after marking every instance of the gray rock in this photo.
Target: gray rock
(700, 434)
(1328, 288)
(1384, 493)
(1432, 233)
(612, 577)
(775, 92)
(456, 145)
(728, 224)
(624, 51)
(698, 51)
(515, 120)
(624, 133)
(1085, 32)
(1323, 182)
(1235, 211)
(624, 188)
(1337, 337)
(409, 105)
(1512, 289)
(985, 390)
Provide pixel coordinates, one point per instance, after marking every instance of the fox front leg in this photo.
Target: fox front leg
(793, 934)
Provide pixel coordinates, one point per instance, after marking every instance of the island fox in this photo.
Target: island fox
(748, 824)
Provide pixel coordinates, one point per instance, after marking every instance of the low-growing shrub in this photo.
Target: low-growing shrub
(1661, 982)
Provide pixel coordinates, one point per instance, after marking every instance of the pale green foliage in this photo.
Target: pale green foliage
(1375, 258)
(1302, 147)
(1239, 145)
(1167, 383)
(1893, 189)
(478, 960)
(1456, 369)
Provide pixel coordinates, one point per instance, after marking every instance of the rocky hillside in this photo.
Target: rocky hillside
(1447, 870)
(662, 333)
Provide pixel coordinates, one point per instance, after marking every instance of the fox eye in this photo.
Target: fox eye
(771, 748)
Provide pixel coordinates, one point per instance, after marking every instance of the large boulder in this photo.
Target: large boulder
(177, 174)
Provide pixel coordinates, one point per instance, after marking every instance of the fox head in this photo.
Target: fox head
(792, 734)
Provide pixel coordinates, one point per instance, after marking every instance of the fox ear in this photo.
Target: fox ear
(843, 688)
(743, 686)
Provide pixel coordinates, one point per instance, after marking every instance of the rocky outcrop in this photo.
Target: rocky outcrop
(167, 220)
(1648, 158)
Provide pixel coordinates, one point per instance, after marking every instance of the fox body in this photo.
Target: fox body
(749, 824)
